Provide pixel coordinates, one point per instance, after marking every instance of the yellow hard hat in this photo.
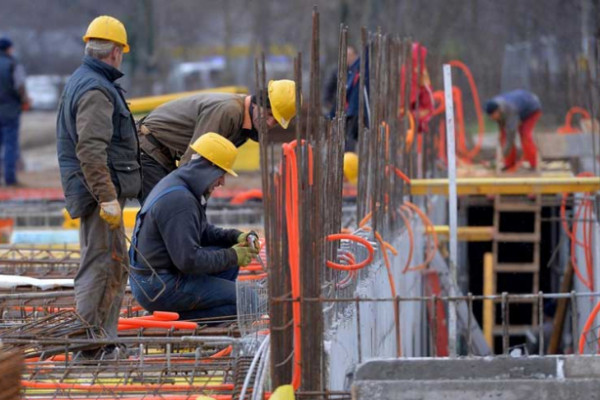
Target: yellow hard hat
(107, 28)
(351, 167)
(216, 149)
(282, 96)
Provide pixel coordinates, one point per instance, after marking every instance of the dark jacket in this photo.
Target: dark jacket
(10, 99)
(352, 90)
(178, 123)
(122, 153)
(173, 233)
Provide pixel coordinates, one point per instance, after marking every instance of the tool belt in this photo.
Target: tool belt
(154, 149)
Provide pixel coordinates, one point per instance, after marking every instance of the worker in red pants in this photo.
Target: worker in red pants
(518, 110)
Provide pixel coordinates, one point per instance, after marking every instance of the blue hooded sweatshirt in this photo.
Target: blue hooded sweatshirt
(174, 232)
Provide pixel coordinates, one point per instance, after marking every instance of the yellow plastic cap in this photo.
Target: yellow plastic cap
(107, 28)
(351, 167)
(216, 149)
(282, 96)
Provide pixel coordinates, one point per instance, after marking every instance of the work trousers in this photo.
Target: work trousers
(102, 276)
(527, 142)
(198, 296)
(153, 172)
(9, 140)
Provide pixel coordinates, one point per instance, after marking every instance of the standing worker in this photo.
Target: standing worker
(352, 96)
(197, 262)
(421, 102)
(13, 99)
(98, 155)
(516, 110)
(167, 132)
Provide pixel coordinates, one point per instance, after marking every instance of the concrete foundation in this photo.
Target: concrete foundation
(500, 378)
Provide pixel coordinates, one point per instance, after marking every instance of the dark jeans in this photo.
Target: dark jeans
(9, 140)
(192, 296)
(351, 133)
(152, 173)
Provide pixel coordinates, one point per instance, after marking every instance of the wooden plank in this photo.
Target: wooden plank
(507, 185)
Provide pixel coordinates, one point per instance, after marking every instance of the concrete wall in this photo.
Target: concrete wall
(377, 322)
(499, 378)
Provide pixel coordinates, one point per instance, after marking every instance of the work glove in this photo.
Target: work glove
(110, 211)
(244, 254)
(243, 239)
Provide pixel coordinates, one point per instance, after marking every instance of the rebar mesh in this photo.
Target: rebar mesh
(252, 306)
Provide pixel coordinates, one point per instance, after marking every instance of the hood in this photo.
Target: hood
(198, 175)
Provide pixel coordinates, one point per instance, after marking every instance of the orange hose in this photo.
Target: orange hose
(568, 128)
(291, 212)
(388, 266)
(252, 277)
(243, 197)
(145, 323)
(433, 244)
(587, 327)
(354, 238)
(145, 397)
(124, 387)
(470, 154)
(586, 207)
(411, 239)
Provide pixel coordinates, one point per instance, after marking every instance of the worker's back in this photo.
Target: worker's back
(525, 102)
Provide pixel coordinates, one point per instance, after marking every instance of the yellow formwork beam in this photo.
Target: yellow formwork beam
(143, 105)
(466, 233)
(488, 305)
(496, 185)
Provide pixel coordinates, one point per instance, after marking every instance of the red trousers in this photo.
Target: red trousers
(526, 134)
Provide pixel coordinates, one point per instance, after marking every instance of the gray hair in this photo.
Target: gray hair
(99, 48)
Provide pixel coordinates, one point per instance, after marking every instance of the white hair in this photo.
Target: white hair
(99, 48)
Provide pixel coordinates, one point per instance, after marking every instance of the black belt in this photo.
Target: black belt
(148, 272)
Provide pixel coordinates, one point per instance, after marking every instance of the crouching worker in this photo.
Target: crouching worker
(198, 262)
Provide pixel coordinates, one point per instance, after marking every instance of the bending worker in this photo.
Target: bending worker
(197, 261)
(514, 111)
(98, 157)
(166, 133)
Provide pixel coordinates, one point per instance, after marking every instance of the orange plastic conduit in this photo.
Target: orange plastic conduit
(291, 211)
(432, 234)
(587, 327)
(388, 266)
(477, 104)
(243, 197)
(354, 238)
(411, 239)
(568, 127)
(124, 387)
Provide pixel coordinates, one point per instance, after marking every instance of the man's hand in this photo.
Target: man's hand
(110, 211)
(243, 238)
(244, 254)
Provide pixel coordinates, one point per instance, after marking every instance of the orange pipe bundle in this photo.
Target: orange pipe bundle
(158, 319)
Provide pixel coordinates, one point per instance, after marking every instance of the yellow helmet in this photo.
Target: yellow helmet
(351, 167)
(216, 149)
(107, 28)
(282, 96)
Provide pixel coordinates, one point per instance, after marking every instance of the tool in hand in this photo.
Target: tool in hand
(254, 242)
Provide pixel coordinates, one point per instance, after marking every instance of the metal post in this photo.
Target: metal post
(451, 206)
